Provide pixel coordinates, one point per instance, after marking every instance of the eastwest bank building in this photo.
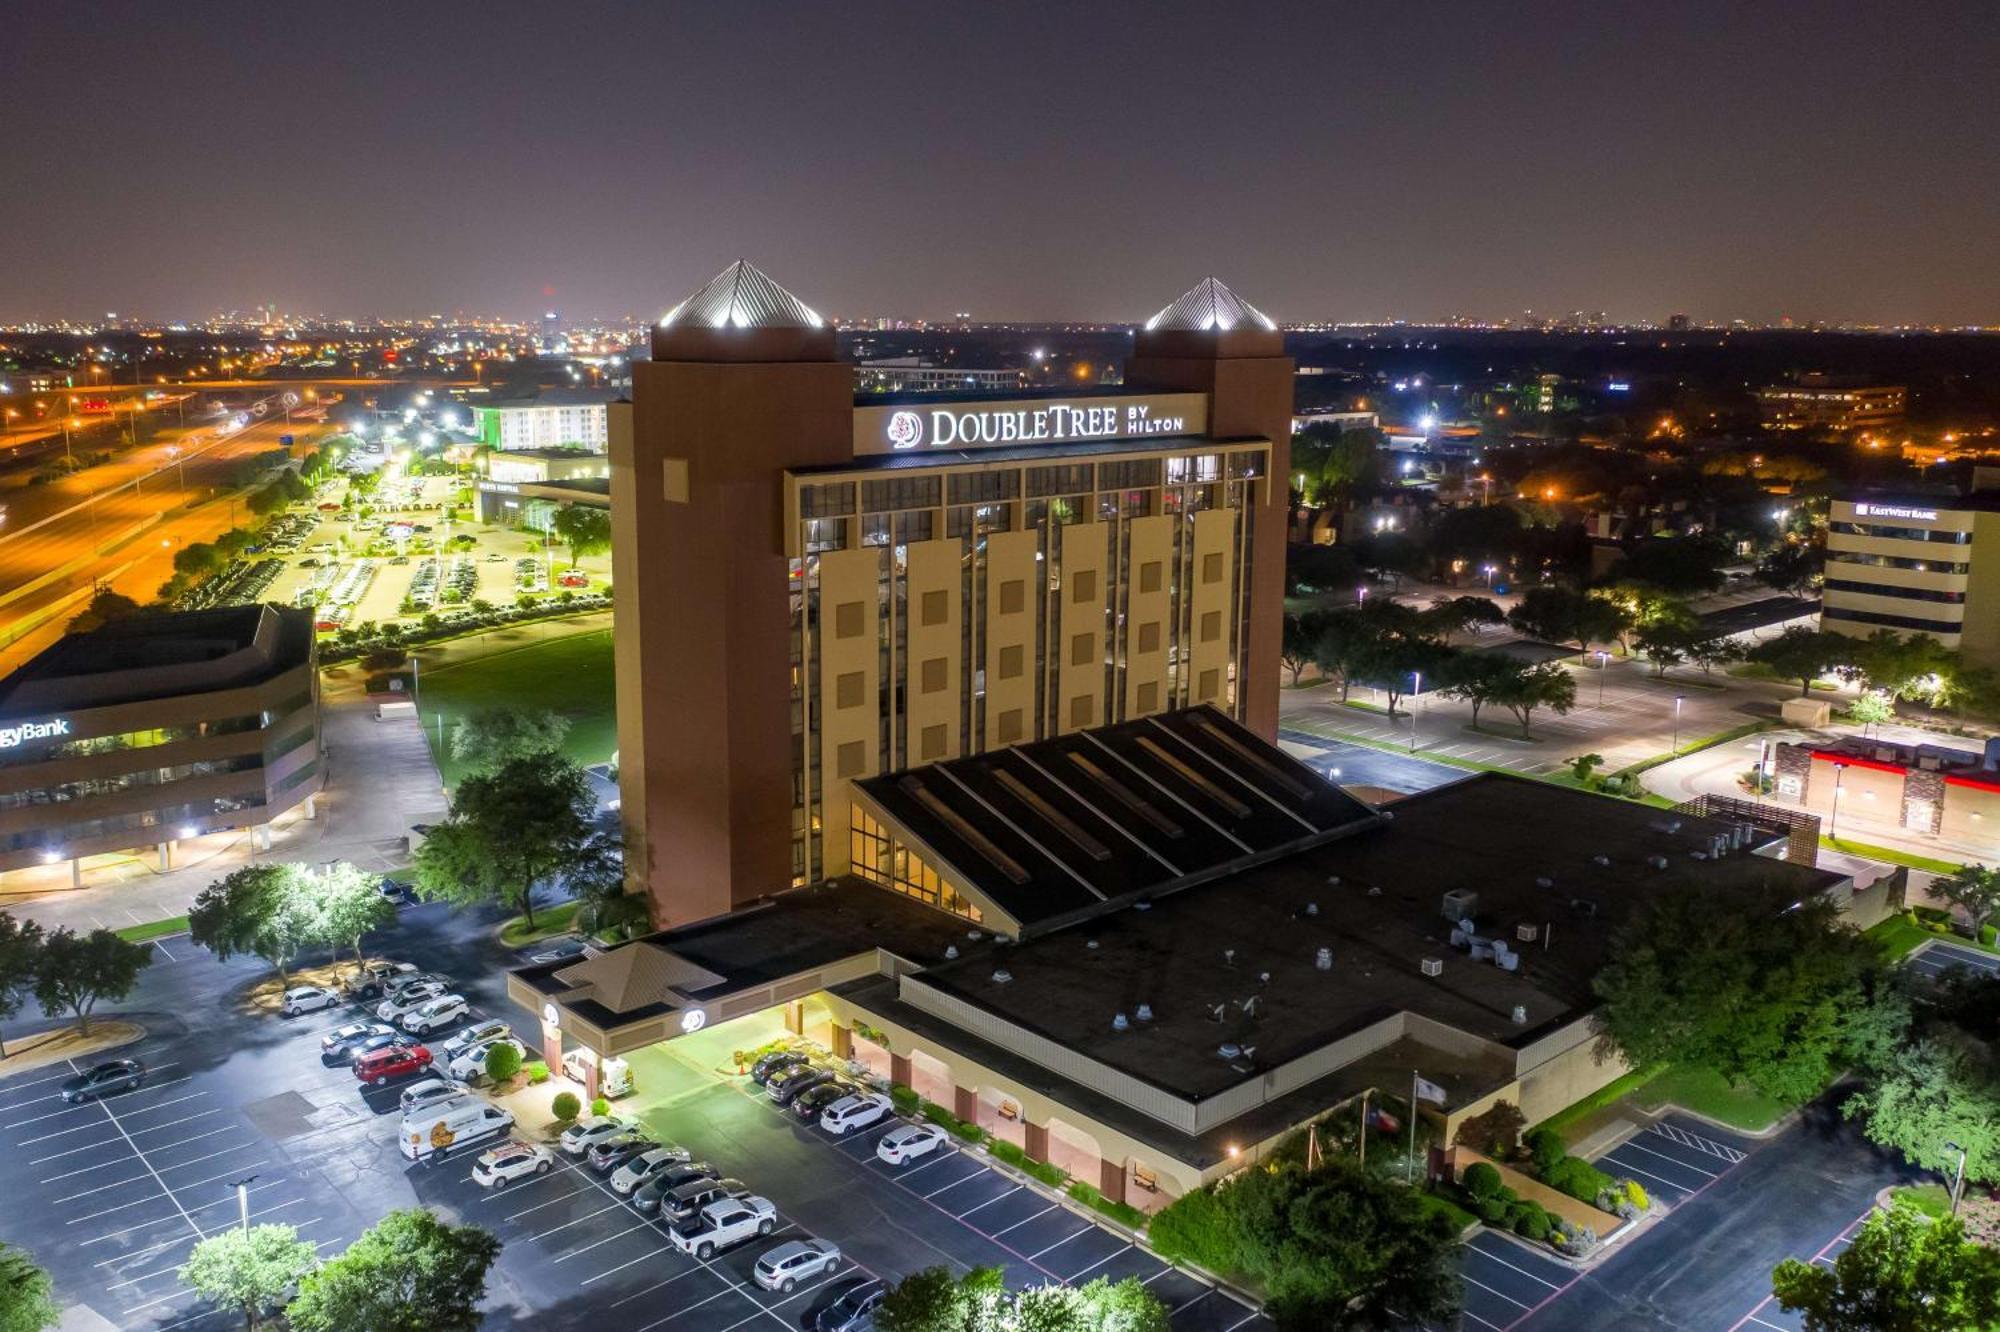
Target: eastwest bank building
(947, 740)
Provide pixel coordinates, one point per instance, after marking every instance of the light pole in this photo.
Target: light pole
(1958, 1179)
(242, 1187)
(1416, 701)
(1490, 571)
(1603, 660)
(1833, 815)
(1361, 594)
(1678, 700)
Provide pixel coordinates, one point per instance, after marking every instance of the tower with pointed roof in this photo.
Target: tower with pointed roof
(744, 381)
(1210, 340)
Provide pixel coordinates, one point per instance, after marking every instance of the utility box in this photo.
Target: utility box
(1811, 713)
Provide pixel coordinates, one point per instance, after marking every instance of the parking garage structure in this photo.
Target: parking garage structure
(1151, 967)
(157, 728)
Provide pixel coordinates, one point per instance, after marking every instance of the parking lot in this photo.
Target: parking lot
(1506, 1280)
(1933, 960)
(1767, 1314)
(1674, 1157)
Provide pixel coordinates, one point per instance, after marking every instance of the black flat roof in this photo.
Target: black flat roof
(1056, 830)
(162, 654)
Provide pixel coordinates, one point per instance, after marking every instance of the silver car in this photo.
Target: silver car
(795, 1261)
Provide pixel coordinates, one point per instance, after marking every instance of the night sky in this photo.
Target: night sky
(1837, 160)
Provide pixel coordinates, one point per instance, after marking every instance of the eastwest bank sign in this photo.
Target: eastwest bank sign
(985, 425)
(20, 733)
(1894, 511)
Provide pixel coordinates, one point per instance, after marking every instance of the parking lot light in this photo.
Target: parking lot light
(1958, 1179)
(242, 1187)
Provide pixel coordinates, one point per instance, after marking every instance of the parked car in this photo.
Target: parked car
(397, 891)
(808, 1103)
(392, 1061)
(431, 1091)
(487, 1029)
(901, 1145)
(386, 971)
(511, 1161)
(472, 1063)
(794, 1261)
(723, 1225)
(114, 1075)
(307, 999)
(615, 1151)
(439, 1012)
(408, 999)
(640, 1169)
(787, 1084)
(453, 1124)
(761, 1071)
(855, 1112)
(855, 1310)
(338, 1046)
(683, 1202)
(557, 950)
(585, 1134)
(614, 1075)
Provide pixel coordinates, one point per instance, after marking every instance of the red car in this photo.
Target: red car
(395, 1061)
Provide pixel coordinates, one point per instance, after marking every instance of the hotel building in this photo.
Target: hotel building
(1917, 564)
(556, 418)
(157, 728)
(1817, 402)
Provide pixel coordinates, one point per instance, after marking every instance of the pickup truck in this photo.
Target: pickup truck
(723, 1225)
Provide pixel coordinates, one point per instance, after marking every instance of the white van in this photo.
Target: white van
(441, 1128)
(614, 1075)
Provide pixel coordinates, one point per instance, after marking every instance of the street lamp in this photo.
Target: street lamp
(242, 1187)
(1678, 700)
(1958, 1179)
(1833, 815)
(1490, 571)
(1361, 594)
(1603, 661)
(1416, 701)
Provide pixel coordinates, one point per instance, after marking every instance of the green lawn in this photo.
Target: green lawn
(1883, 853)
(557, 919)
(570, 675)
(1933, 1200)
(1705, 1092)
(1898, 936)
(154, 929)
(1616, 1090)
(1451, 1211)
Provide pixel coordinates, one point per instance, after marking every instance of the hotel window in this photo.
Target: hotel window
(936, 607)
(847, 620)
(1010, 726)
(1210, 686)
(1082, 648)
(826, 501)
(1891, 590)
(1083, 585)
(932, 743)
(1149, 697)
(1149, 576)
(847, 689)
(1083, 710)
(1013, 596)
(850, 759)
(1010, 662)
(1211, 568)
(1211, 626)
(934, 675)
(877, 857)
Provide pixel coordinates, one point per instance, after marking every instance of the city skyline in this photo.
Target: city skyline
(1350, 166)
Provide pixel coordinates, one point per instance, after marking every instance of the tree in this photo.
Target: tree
(1752, 983)
(1562, 615)
(409, 1272)
(265, 910)
(1803, 654)
(1912, 667)
(585, 530)
(1794, 566)
(1935, 1092)
(492, 736)
(1900, 1274)
(1583, 765)
(1973, 889)
(1338, 650)
(1665, 645)
(20, 956)
(507, 831)
(932, 1300)
(349, 905)
(1713, 651)
(503, 1061)
(1528, 688)
(1678, 566)
(1478, 678)
(1315, 567)
(1871, 708)
(74, 971)
(1454, 615)
(1119, 1306)
(104, 608)
(26, 1301)
(253, 1269)
(1296, 647)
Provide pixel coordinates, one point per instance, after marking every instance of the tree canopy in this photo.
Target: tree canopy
(409, 1272)
(74, 971)
(509, 830)
(584, 529)
(20, 956)
(1937, 1091)
(1901, 1274)
(27, 1302)
(253, 1270)
(932, 1300)
(1804, 654)
(493, 736)
(265, 910)
(1765, 990)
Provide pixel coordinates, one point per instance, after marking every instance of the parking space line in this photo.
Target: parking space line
(622, 1266)
(627, 1299)
(689, 1308)
(197, 1183)
(1664, 1157)
(990, 1201)
(1088, 1225)
(982, 1170)
(905, 1176)
(248, 1146)
(1491, 1291)
(119, 1184)
(1241, 1321)
(1024, 1221)
(72, 1151)
(1504, 1263)
(512, 1216)
(184, 1119)
(1622, 1165)
(1074, 1276)
(574, 1221)
(616, 1234)
(80, 1128)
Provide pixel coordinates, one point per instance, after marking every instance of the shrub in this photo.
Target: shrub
(1050, 1174)
(1481, 1180)
(566, 1106)
(1002, 1150)
(1636, 1195)
(1577, 1177)
(502, 1062)
(1491, 1210)
(1505, 1194)
(538, 1073)
(1196, 1228)
(600, 1107)
(1546, 1147)
(1123, 1213)
(1533, 1226)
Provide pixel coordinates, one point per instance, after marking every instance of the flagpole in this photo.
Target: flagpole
(1410, 1166)
(1363, 1159)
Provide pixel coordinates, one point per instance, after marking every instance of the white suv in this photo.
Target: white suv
(439, 1012)
(408, 1000)
(854, 1112)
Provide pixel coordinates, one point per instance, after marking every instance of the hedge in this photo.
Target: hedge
(1578, 1178)
(1123, 1213)
(1196, 1228)
(905, 1099)
(1481, 1180)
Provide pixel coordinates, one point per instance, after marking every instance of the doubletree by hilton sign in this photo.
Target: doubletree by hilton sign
(986, 425)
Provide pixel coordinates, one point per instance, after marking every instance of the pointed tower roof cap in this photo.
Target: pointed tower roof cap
(1209, 306)
(741, 296)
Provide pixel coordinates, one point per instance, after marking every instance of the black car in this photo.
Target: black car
(608, 1155)
(397, 891)
(114, 1075)
(808, 1103)
(785, 1088)
(761, 1071)
(338, 1045)
(683, 1202)
(854, 1311)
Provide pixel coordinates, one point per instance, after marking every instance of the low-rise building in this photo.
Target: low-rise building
(157, 728)
(553, 419)
(1936, 791)
(1917, 564)
(1821, 402)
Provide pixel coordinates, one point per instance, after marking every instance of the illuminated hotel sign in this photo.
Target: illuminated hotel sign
(1894, 511)
(22, 732)
(982, 425)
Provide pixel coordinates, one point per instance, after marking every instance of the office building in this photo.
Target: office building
(814, 588)
(1917, 564)
(157, 728)
(523, 488)
(909, 374)
(556, 418)
(1821, 402)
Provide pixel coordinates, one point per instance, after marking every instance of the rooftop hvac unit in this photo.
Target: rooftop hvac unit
(1520, 1014)
(1323, 959)
(1544, 881)
(1601, 860)
(1119, 1022)
(1229, 1050)
(1461, 904)
(1433, 966)
(1658, 862)
(1002, 976)
(1312, 908)
(951, 950)
(1527, 933)
(1145, 1013)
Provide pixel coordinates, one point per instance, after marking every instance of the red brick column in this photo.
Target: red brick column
(899, 1069)
(843, 1042)
(1037, 1142)
(1111, 1179)
(965, 1104)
